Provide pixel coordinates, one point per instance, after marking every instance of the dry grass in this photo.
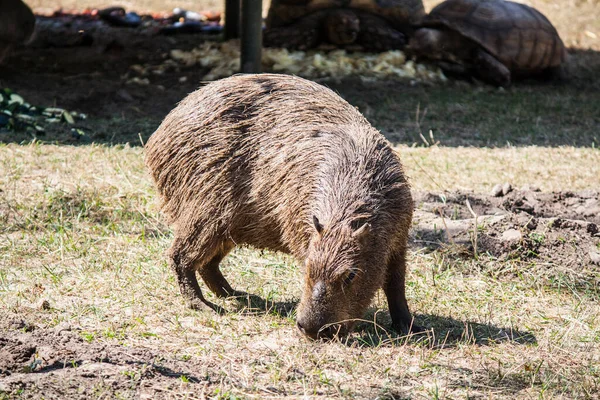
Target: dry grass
(550, 169)
(79, 228)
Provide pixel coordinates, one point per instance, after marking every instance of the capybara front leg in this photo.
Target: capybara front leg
(402, 320)
(212, 276)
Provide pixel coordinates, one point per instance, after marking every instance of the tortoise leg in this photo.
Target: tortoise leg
(302, 35)
(489, 69)
(558, 74)
(402, 320)
(376, 34)
(454, 70)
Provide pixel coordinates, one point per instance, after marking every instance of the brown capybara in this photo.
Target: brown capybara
(282, 163)
(16, 25)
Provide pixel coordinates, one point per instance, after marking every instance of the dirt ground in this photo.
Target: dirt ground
(557, 229)
(554, 234)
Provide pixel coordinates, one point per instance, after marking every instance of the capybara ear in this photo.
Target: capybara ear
(362, 232)
(317, 224)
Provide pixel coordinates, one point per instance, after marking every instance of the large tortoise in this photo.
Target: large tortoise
(494, 40)
(375, 25)
(16, 25)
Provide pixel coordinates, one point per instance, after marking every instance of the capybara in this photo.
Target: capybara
(16, 25)
(282, 163)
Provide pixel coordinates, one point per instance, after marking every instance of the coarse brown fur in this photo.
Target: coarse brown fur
(282, 163)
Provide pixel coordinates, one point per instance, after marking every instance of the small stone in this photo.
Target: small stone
(497, 190)
(183, 79)
(506, 188)
(530, 188)
(44, 305)
(62, 327)
(124, 95)
(511, 235)
(595, 257)
(532, 224)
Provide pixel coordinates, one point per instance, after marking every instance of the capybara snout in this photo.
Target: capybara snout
(282, 163)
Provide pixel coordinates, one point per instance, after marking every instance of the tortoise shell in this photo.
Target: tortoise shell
(398, 13)
(519, 36)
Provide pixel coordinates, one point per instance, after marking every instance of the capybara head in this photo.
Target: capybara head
(340, 281)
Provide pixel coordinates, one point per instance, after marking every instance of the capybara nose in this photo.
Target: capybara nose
(323, 332)
(312, 334)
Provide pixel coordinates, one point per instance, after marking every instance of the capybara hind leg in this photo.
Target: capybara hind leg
(183, 266)
(212, 276)
(402, 320)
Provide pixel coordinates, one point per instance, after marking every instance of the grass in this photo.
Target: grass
(80, 230)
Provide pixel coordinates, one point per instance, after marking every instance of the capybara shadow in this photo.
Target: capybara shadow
(282, 163)
(443, 332)
(252, 304)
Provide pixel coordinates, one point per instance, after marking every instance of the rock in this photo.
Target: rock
(511, 235)
(124, 95)
(62, 327)
(44, 305)
(497, 191)
(595, 257)
(527, 221)
(506, 188)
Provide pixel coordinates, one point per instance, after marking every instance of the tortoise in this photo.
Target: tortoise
(16, 25)
(375, 25)
(493, 40)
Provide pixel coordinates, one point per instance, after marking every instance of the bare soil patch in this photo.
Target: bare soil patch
(558, 230)
(58, 363)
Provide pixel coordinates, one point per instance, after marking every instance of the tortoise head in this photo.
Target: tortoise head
(342, 27)
(438, 44)
(427, 42)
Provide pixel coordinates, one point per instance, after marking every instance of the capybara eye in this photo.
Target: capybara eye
(350, 277)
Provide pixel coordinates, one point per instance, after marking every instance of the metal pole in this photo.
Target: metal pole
(232, 19)
(251, 35)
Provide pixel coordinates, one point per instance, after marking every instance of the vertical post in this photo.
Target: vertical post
(251, 36)
(232, 19)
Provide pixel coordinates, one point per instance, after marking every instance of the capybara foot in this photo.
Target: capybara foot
(199, 305)
(408, 328)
